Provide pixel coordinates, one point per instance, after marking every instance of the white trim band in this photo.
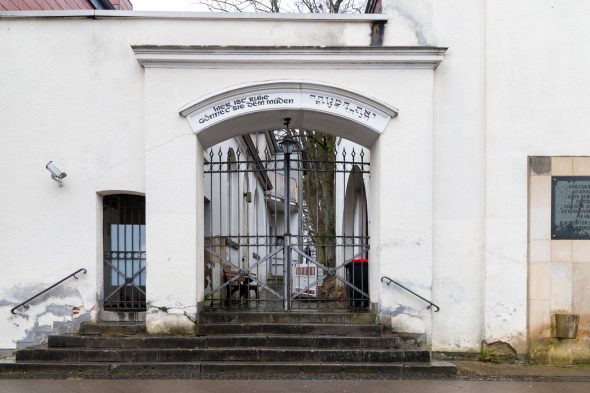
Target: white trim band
(288, 57)
(244, 16)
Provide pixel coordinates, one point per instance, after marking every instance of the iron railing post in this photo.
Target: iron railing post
(287, 236)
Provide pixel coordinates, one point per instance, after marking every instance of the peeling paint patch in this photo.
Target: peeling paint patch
(160, 322)
(60, 310)
(53, 323)
(18, 293)
(497, 352)
(401, 309)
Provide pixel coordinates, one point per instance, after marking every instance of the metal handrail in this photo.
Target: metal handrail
(430, 304)
(47, 289)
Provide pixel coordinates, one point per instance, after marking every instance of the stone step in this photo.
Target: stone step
(222, 355)
(283, 328)
(355, 318)
(216, 341)
(304, 341)
(305, 370)
(112, 328)
(216, 370)
(136, 341)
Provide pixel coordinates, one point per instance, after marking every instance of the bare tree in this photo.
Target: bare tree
(329, 6)
(242, 5)
(302, 6)
(318, 182)
(319, 193)
(319, 205)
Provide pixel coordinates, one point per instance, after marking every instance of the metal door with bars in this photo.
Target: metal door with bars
(124, 252)
(273, 239)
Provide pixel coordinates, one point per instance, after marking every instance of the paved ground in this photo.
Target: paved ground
(522, 371)
(197, 386)
(473, 376)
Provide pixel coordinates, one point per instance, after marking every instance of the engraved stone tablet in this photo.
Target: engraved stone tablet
(570, 207)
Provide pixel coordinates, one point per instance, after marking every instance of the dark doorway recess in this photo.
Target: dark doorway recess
(124, 252)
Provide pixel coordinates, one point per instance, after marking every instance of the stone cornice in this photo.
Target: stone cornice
(288, 57)
(242, 16)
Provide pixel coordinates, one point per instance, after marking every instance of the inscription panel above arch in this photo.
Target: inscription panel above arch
(310, 105)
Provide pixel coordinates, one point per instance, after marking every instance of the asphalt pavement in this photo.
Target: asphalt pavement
(236, 386)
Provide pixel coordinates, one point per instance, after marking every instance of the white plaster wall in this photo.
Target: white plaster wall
(458, 159)
(85, 108)
(537, 84)
(73, 92)
(172, 200)
(459, 176)
(410, 22)
(60, 101)
(401, 227)
(513, 84)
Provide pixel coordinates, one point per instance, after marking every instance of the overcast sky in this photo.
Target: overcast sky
(167, 5)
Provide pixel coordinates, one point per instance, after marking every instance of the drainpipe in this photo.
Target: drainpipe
(102, 4)
(377, 29)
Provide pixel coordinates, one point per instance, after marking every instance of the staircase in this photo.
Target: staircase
(236, 345)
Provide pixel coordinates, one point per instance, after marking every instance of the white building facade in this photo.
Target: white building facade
(468, 110)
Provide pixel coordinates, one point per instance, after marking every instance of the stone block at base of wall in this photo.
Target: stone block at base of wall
(497, 352)
(559, 351)
(162, 322)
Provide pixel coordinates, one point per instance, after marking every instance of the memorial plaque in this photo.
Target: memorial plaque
(570, 207)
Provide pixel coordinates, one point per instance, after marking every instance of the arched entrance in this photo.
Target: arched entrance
(279, 132)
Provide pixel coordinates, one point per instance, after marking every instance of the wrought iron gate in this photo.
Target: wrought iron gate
(124, 252)
(286, 230)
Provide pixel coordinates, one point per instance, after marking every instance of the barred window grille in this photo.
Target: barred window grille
(124, 242)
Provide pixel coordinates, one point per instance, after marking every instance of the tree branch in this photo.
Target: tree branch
(275, 6)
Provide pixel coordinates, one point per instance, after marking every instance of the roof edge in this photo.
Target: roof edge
(256, 16)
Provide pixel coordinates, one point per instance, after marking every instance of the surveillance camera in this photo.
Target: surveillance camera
(56, 173)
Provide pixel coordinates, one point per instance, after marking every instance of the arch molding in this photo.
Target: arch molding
(310, 105)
